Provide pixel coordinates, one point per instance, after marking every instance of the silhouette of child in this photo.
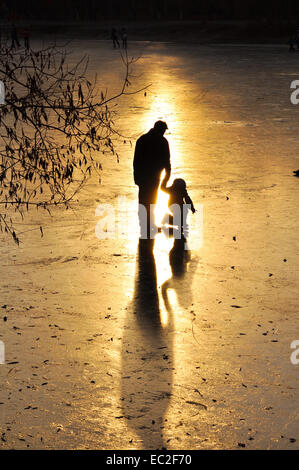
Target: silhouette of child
(177, 204)
(291, 43)
(114, 37)
(124, 37)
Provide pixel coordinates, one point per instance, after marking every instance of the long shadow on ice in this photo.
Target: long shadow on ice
(147, 357)
(182, 269)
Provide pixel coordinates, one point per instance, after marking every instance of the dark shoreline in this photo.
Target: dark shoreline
(201, 32)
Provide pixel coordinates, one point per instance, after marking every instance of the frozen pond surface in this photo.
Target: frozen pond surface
(109, 351)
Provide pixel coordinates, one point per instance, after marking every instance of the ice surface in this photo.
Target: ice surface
(109, 350)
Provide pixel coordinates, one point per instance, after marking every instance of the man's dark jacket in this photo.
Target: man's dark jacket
(150, 158)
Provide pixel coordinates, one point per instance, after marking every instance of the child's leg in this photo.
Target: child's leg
(176, 220)
(184, 219)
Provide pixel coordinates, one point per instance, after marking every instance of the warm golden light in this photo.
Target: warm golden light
(162, 205)
(163, 107)
(161, 252)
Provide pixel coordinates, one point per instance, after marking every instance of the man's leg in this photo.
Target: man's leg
(143, 211)
(147, 201)
(153, 195)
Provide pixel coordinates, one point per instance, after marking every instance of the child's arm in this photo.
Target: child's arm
(164, 183)
(189, 201)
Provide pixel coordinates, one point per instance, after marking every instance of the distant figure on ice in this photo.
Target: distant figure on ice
(124, 38)
(179, 204)
(14, 37)
(151, 157)
(26, 36)
(291, 44)
(114, 37)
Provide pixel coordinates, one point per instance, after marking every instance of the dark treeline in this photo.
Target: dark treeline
(90, 10)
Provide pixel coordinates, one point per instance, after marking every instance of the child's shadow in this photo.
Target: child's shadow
(183, 267)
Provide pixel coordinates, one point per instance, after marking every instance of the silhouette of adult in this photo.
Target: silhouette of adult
(124, 38)
(114, 37)
(14, 37)
(151, 157)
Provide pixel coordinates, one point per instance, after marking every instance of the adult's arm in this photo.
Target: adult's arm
(163, 185)
(167, 165)
(137, 163)
(189, 201)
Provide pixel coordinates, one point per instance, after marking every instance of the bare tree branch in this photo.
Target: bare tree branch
(53, 129)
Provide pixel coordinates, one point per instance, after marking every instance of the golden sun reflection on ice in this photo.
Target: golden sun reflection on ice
(162, 106)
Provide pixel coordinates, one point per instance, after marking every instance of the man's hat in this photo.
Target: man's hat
(161, 125)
